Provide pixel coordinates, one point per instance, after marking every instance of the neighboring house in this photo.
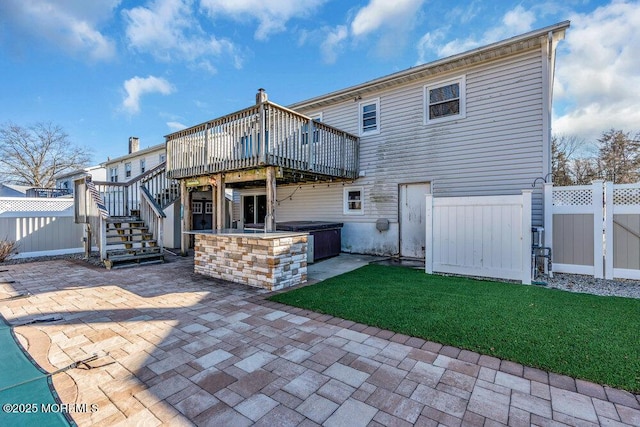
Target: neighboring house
(135, 163)
(13, 190)
(65, 181)
(477, 123)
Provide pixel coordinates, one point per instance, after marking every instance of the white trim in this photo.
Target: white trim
(363, 104)
(462, 82)
(345, 201)
(51, 252)
(626, 273)
(573, 269)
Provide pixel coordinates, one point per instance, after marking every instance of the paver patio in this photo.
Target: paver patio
(180, 349)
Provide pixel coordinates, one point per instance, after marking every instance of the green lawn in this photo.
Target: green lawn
(584, 336)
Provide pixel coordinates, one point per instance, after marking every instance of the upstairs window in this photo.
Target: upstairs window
(370, 117)
(143, 165)
(445, 101)
(163, 157)
(127, 170)
(113, 174)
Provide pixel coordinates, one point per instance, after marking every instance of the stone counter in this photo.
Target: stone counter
(270, 261)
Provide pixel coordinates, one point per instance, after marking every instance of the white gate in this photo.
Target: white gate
(594, 229)
(487, 236)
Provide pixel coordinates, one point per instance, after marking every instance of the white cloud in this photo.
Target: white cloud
(176, 126)
(597, 80)
(333, 43)
(71, 25)
(514, 22)
(384, 13)
(168, 30)
(136, 87)
(272, 15)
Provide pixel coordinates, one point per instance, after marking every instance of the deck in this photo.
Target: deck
(303, 149)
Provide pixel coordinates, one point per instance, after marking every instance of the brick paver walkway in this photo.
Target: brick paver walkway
(182, 349)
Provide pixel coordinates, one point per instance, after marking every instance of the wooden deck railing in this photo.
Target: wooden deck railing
(89, 210)
(234, 142)
(121, 197)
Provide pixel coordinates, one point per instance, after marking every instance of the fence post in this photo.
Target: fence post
(428, 247)
(526, 236)
(548, 221)
(598, 261)
(608, 230)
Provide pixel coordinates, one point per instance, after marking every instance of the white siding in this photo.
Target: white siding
(496, 149)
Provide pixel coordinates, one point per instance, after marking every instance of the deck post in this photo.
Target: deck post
(270, 220)
(220, 202)
(214, 201)
(185, 217)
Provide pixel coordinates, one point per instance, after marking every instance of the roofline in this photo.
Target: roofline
(126, 156)
(426, 69)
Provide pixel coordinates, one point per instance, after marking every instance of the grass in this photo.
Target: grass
(583, 336)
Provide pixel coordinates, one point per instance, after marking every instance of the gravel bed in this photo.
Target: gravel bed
(591, 285)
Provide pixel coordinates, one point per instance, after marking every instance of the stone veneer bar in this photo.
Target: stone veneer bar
(271, 261)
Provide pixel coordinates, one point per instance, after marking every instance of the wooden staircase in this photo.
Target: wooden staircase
(129, 242)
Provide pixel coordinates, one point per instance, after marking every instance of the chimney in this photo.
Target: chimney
(261, 96)
(134, 144)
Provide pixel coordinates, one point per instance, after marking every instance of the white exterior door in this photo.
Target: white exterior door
(412, 219)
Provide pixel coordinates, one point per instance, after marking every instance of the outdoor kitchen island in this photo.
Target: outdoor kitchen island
(268, 260)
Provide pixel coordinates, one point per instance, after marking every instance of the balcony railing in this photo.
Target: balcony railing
(234, 142)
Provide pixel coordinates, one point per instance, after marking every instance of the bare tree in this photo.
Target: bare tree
(619, 157)
(34, 155)
(565, 157)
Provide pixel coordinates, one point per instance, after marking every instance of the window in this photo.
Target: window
(254, 209)
(445, 101)
(196, 207)
(143, 165)
(127, 170)
(370, 117)
(353, 201)
(208, 208)
(163, 157)
(113, 174)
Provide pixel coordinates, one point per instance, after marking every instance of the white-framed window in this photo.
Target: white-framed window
(127, 170)
(445, 101)
(208, 208)
(369, 117)
(143, 165)
(163, 157)
(196, 207)
(353, 201)
(113, 174)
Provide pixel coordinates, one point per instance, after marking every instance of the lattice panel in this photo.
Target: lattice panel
(572, 197)
(626, 196)
(37, 205)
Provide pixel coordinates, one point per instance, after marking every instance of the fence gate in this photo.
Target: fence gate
(488, 236)
(594, 229)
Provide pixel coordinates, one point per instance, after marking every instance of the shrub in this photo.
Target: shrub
(7, 248)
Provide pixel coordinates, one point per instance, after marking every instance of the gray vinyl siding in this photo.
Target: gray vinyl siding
(496, 149)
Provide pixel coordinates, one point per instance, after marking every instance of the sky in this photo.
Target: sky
(105, 70)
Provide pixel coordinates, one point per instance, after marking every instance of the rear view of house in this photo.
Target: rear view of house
(474, 124)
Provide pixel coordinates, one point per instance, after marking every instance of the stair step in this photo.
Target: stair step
(129, 260)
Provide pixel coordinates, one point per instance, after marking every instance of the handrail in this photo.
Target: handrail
(151, 213)
(262, 135)
(90, 210)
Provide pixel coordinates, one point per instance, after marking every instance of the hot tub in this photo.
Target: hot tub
(325, 238)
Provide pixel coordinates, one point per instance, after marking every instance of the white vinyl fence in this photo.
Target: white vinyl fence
(487, 236)
(40, 226)
(594, 229)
